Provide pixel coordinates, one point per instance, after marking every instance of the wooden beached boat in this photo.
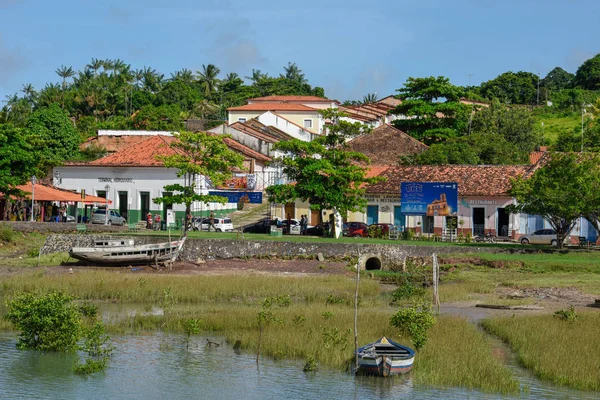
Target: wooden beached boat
(385, 357)
(124, 252)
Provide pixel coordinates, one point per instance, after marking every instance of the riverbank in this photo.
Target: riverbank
(225, 296)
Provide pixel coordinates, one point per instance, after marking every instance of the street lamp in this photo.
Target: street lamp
(33, 181)
(107, 188)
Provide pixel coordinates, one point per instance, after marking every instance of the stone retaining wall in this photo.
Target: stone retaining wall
(202, 249)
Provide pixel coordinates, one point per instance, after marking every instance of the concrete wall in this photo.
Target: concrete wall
(202, 249)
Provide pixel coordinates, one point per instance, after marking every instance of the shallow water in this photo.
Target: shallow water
(160, 367)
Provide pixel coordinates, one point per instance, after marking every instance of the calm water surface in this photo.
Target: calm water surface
(160, 367)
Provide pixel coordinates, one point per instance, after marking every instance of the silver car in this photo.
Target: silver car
(114, 218)
(542, 236)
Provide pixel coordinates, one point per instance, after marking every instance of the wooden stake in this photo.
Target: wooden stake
(356, 312)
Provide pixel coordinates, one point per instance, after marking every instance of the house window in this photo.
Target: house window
(308, 123)
(242, 120)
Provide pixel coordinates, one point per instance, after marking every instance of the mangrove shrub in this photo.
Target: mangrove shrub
(47, 322)
(414, 321)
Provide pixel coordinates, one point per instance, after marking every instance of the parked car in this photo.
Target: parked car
(542, 236)
(114, 218)
(355, 229)
(263, 226)
(220, 224)
(317, 230)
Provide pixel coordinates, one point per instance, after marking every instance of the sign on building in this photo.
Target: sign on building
(429, 198)
(234, 197)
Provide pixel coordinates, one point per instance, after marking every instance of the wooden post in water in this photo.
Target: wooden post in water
(356, 312)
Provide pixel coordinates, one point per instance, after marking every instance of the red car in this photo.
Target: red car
(356, 229)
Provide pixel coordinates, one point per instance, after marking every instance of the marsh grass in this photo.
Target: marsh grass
(312, 327)
(559, 351)
(458, 354)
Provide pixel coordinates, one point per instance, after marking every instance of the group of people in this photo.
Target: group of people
(153, 222)
(303, 224)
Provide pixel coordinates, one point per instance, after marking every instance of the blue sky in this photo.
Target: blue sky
(348, 47)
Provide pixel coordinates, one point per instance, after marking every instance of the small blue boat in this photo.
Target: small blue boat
(385, 358)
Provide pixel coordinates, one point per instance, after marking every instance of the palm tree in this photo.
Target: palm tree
(369, 98)
(294, 73)
(205, 108)
(257, 75)
(231, 82)
(208, 78)
(29, 92)
(185, 75)
(95, 65)
(64, 72)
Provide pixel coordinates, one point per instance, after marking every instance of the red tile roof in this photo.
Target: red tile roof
(145, 154)
(298, 99)
(385, 144)
(142, 154)
(245, 150)
(113, 144)
(473, 180)
(272, 107)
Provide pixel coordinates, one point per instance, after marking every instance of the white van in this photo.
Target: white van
(221, 224)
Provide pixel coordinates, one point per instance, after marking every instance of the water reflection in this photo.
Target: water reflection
(161, 367)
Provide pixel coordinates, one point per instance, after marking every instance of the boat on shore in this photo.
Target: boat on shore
(385, 357)
(124, 252)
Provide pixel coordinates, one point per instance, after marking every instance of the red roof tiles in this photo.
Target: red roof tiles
(272, 107)
(298, 99)
(385, 144)
(142, 154)
(473, 180)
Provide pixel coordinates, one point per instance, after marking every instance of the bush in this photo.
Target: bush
(47, 322)
(414, 321)
(407, 291)
(7, 235)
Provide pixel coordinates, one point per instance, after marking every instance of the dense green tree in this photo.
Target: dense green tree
(17, 160)
(178, 92)
(323, 171)
(161, 118)
(198, 154)
(512, 88)
(557, 79)
(558, 191)
(515, 124)
(53, 137)
(231, 82)
(433, 110)
(477, 148)
(588, 74)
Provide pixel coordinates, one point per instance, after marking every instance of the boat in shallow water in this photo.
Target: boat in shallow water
(124, 252)
(385, 358)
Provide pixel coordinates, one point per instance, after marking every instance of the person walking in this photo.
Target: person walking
(211, 221)
(149, 221)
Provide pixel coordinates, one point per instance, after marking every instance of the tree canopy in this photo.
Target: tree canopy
(432, 109)
(197, 155)
(17, 159)
(512, 88)
(561, 191)
(588, 74)
(323, 172)
(557, 79)
(52, 135)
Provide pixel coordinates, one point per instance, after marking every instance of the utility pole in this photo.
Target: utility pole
(538, 90)
(470, 116)
(582, 112)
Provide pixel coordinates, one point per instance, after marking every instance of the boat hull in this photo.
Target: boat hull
(385, 358)
(127, 255)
